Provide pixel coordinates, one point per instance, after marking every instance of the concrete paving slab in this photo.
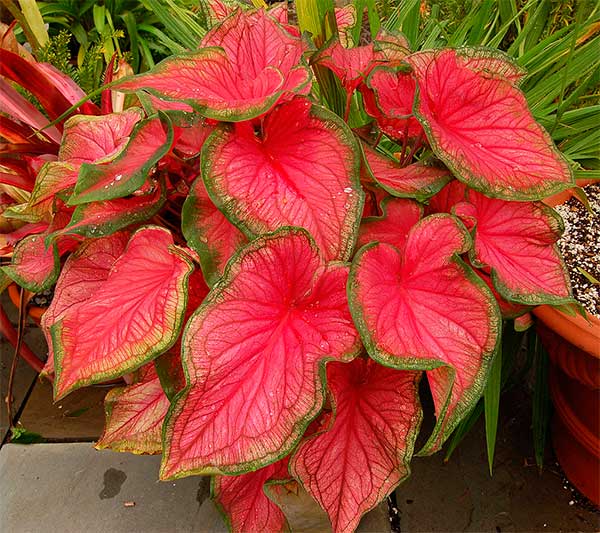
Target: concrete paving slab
(24, 376)
(78, 417)
(461, 495)
(72, 488)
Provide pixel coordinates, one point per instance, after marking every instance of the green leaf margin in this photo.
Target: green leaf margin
(229, 207)
(137, 361)
(443, 428)
(213, 297)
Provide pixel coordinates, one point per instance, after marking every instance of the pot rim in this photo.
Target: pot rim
(579, 331)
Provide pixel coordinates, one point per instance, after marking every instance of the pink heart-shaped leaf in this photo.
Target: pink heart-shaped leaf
(354, 465)
(127, 320)
(253, 355)
(134, 416)
(243, 500)
(301, 170)
(97, 139)
(149, 142)
(389, 95)
(245, 65)
(84, 271)
(480, 126)
(517, 240)
(399, 216)
(424, 309)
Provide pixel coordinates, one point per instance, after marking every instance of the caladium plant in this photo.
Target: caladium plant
(276, 285)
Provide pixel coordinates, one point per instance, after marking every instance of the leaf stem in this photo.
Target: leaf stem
(404, 143)
(13, 367)
(348, 105)
(7, 329)
(415, 147)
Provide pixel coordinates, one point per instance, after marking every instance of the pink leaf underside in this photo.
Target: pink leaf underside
(398, 219)
(345, 18)
(416, 180)
(517, 240)
(35, 266)
(246, 63)
(302, 172)
(389, 98)
(17, 106)
(84, 272)
(423, 309)
(54, 177)
(134, 416)
(243, 500)
(350, 65)
(447, 198)
(129, 319)
(209, 233)
(159, 104)
(253, 353)
(508, 309)
(97, 219)
(97, 139)
(481, 127)
(353, 466)
(353, 65)
(127, 172)
(191, 139)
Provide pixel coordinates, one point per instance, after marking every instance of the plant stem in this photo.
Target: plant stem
(348, 104)
(7, 329)
(13, 366)
(415, 148)
(404, 144)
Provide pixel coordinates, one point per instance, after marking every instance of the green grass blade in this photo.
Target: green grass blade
(407, 19)
(172, 46)
(463, 429)
(180, 24)
(130, 23)
(491, 397)
(541, 400)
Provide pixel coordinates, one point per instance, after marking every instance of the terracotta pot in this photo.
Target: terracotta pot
(33, 311)
(573, 344)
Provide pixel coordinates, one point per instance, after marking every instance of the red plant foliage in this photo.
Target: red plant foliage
(325, 309)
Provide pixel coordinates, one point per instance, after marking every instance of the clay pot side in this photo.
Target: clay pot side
(573, 344)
